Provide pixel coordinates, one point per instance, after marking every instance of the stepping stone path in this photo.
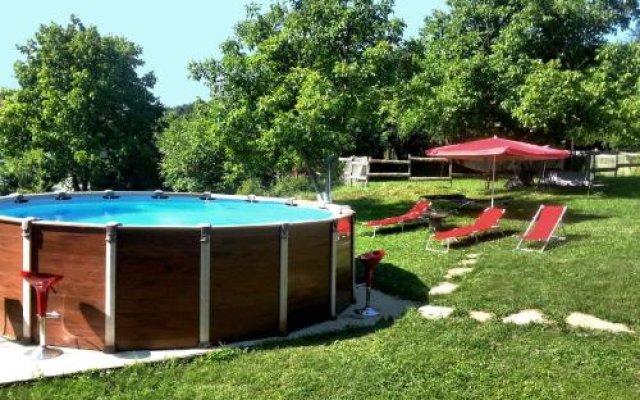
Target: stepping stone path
(481, 316)
(435, 312)
(443, 288)
(586, 321)
(526, 317)
(456, 272)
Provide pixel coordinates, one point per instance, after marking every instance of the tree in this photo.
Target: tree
(515, 67)
(82, 112)
(193, 158)
(302, 81)
(612, 89)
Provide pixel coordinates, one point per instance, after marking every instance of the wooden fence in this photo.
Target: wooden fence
(359, 169)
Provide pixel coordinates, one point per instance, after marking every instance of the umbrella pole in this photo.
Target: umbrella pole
(493, 180)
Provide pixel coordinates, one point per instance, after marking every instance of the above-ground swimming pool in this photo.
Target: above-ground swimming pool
(154, 270)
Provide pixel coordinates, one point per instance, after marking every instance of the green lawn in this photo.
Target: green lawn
(597, 271)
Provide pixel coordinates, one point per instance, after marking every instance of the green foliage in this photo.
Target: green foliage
(519, 67)
(613, 90)
(28, 172)
(302, 81)
(306, 79)
(292, 186)
(251, 186)
(193, 158)
(457, 358)
(81, 112)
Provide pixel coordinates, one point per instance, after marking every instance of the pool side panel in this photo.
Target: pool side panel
(344, 290)
(10, 280)
(157, 288)
(245, 282)
(309, 273)
(78, 254)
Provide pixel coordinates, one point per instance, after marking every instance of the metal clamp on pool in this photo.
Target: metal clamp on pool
(207, 196)
(159, 195)
(110, 195)
(19, 199)
(62, 195)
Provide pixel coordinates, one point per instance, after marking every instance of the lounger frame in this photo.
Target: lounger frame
(549, 238)
(474, 234)
(422, 218)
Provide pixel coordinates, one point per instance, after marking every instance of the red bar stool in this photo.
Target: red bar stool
(370, 260)
(42, 283)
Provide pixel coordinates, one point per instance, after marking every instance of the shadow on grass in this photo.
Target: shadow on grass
(395, 281)
(388, 279)
(622, 187)
(525, 209)
(394, 229)
(368, 209)
(520, 209)
(488, 237)
(554, 243)
(318, 339)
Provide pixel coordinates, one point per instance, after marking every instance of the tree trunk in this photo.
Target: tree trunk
(75, 183)
(313, 177)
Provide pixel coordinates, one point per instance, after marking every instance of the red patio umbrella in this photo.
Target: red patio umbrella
(497, 149)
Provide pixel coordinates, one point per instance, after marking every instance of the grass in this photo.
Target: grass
(596, 271)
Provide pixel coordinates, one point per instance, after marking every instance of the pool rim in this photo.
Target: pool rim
(337, 211)
(206, 233)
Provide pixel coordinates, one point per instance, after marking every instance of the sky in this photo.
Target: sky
(171, 33)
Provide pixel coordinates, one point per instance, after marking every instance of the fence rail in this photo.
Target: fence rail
(358, 169)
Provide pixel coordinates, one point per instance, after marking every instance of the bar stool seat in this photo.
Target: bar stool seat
(370, 260)
(42, 283)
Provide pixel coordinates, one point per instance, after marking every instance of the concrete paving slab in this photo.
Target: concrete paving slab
(457, 272)
(481, 316)
(18, 364)
(526, 317)
(586, 321)
(443, 288)
(435, 312)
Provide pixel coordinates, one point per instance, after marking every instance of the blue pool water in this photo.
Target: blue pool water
(175, 211)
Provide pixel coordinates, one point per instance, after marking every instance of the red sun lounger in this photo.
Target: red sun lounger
(488, 221)
(415, 214)
(542, 227)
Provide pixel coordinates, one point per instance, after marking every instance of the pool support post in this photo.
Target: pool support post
(353, 258)
(111, 240)
(284, 279)
(334, 265)
(205, 286)
(27, 306)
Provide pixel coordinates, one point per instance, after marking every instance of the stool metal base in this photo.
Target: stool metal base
(46, 353)
(368, 311)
